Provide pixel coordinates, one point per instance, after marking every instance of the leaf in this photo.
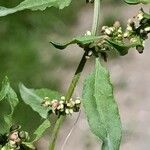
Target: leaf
(8, 102)
(30, 121)
(35, 5)
(123, 48)
(40, 130)
(34, 98)
(134, 2)
(101, 108)
(82, 40)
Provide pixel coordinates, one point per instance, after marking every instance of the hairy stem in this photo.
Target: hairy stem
(77, 75)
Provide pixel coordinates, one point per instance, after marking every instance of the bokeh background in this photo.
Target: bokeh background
(26, 56)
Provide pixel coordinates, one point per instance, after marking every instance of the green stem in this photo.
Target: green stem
(68, 96)
(77, 75)
(96, 17)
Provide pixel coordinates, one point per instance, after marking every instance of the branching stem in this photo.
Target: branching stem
(77, 75)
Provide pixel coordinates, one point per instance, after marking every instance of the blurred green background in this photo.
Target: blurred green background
(26, 56)
(25, 52)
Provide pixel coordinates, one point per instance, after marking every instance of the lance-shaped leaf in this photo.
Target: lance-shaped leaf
(8, 101)
(82, 40)
(34, 98)
(134, 2)
(35, 5)
(101, 108)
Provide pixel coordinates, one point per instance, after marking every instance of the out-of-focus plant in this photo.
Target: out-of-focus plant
(16, 128)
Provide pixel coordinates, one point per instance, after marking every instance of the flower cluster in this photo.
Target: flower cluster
(62, 106)
(14, 138)
(135, 33)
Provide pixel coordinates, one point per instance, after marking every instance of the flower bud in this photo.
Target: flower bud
(108, 31)
(13, 136)
(77, 101)
(147, 29)
(71, 111)
(88, 33)
(67, 111)
(63, 98)
(129, 28)
(116, 24)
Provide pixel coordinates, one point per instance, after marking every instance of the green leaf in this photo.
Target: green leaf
(101, 108)
(123, 48)
(35, 5)
(34, 98)
(30, 121)
(40, 130)
(8, 102)
(134, 2)
(82, 40)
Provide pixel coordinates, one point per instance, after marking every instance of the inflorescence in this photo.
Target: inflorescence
(137, 31)
(14, 138)
(62, 106)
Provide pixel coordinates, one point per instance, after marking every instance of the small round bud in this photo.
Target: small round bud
(147, 29)
(13, 136)
(90, 53)
(61, 102)
(129, 28)
(46, 103)
(87, 57)
(63, 98)
(88, 33)
(23, 135)
(108, 31)
(71, 111)
(116, 24)
(112, 29)
(67, 111)
(46, 98)
(60, 107)
(77, 101)
(126, 34)
(104, 28)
